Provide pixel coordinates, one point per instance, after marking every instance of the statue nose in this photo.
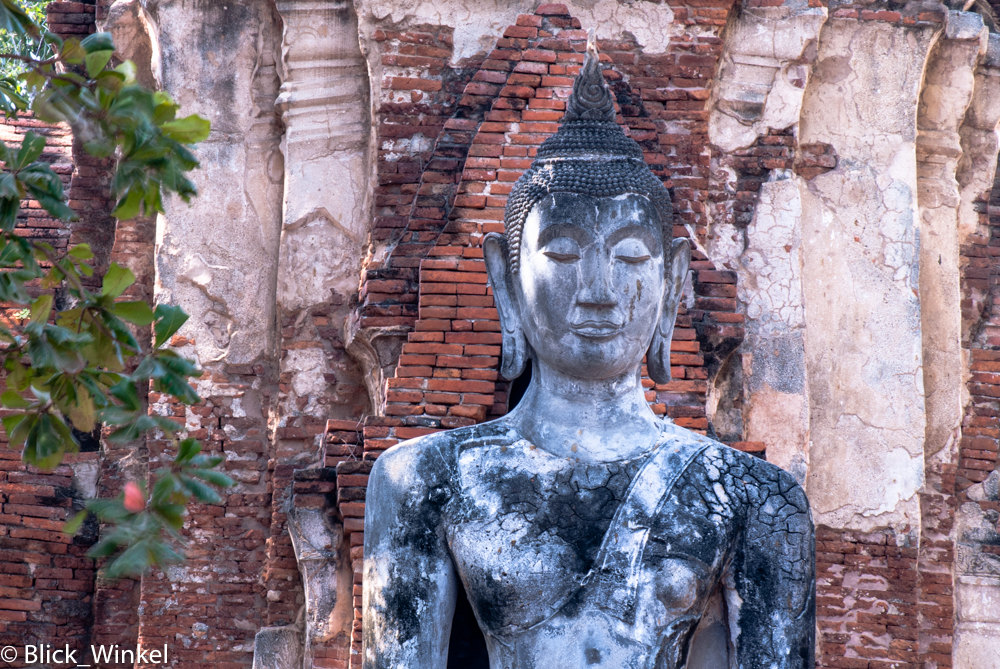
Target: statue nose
(597, 289)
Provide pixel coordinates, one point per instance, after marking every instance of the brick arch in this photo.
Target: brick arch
(447, 373)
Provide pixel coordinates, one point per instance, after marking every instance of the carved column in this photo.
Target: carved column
(978, 164)
(324, 104)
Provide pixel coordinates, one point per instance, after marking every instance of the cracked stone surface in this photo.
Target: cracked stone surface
(523, 529)
(767, 255)
(478, 24)
(765, 68)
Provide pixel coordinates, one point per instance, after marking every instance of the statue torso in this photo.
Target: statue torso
(525, 529)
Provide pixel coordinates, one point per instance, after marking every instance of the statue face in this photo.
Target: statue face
(591, 282)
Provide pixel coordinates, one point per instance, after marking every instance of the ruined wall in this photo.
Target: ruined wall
(833, 166)
(850, 277)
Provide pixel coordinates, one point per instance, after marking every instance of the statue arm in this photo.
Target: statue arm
(409, 579)
(772, 588)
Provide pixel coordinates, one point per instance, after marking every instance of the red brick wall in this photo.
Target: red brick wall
(45, 580)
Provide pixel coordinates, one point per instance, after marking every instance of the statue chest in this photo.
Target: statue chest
(526, 529)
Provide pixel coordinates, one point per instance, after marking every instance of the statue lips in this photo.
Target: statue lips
(600, 330)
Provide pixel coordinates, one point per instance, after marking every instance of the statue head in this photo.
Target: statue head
(587, 276)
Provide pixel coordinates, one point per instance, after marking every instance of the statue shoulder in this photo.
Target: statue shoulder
(429, 461)
(769, 490)
(762, 482)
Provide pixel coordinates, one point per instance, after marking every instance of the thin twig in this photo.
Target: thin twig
(28, 59)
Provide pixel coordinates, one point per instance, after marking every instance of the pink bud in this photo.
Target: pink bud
(134, 500)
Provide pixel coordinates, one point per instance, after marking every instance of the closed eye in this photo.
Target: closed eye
(632, 260)
(562, 257)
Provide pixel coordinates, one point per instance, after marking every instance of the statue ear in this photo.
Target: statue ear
(676, 269)
(515, 346)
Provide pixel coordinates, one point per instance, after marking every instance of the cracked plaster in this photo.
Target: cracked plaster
(767, 257)
(764, 73)
(861, 243)
(477, 25)
(217, 256)
(765, 69)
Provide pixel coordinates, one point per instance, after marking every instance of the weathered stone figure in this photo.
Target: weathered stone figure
(586, 531)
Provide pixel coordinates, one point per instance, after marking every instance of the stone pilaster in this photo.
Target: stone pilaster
(860, 243)
(947, 92)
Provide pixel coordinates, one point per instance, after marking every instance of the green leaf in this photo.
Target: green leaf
(132, 562)
(201, 491)
(9, 209)
(103, 548)
(213, 477)
(117, 416)
(137, 312)
(72, 525)
(81, 252)
(169, 320)
(14, 20)
(111, 81)
(164, 489)
(188, 449)
(129, 205)
(97, 60)
(13, 400)
(56, 207)
(98, 42)
(45, 444)
(8, 186)
(41, 309)
(117, 280)
(71, 52)
(31, 149)
(127, 69)
(17, 427)
(18, 376)
(126, 392)
(81, 412)
(188, 130)
(173, 514)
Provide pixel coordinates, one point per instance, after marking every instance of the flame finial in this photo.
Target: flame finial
(591, 98)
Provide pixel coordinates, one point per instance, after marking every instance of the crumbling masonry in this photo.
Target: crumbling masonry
(834, 165)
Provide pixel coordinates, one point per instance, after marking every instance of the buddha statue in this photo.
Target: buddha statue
(586, 531)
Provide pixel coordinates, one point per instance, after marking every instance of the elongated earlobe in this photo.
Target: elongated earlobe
(658, 355)
(515, 345)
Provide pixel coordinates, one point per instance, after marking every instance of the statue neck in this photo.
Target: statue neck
(584, 419)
